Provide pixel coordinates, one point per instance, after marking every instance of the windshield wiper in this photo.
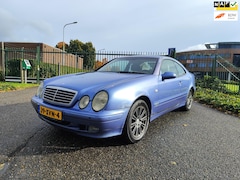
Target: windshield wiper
(131, 72)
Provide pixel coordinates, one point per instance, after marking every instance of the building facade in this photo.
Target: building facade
(48, 54)
(218, 59)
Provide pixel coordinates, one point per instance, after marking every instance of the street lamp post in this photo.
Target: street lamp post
(63, 50)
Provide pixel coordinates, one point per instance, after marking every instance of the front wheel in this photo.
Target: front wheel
(137, 122)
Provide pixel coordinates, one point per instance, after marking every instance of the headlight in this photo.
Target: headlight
(40, 90)
(100, 100)
(83, 102)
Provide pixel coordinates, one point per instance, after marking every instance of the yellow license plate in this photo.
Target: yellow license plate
(54, 114)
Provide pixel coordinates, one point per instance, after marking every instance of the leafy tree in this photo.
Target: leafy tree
(99, 63)
(85, 50)
(60, 46)
(75, 46)
(89, 57)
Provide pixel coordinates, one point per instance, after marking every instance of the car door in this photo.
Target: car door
(170, 89)
(184, 82)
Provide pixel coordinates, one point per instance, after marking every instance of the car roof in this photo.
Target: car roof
(147, 56)
(153, 56)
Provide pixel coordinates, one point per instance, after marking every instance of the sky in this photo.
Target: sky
(117, 25)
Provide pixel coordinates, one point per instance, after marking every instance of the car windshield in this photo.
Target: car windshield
(138, 65)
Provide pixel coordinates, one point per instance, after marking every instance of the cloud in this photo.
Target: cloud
(42, 26)
(120, 25)
(8, 24)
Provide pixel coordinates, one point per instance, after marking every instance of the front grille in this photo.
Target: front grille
(59, 96)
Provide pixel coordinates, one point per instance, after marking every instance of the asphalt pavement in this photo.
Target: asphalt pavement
(200, 144)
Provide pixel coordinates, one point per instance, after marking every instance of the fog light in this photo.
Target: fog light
(93, 129)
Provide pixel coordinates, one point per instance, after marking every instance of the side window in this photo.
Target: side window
(180, 70)
(168, 66)
(171, 66)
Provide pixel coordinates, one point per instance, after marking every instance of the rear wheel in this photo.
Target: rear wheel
(137, 122)
(189, 101)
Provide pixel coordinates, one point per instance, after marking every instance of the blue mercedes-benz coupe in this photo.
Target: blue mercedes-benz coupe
(120, 98)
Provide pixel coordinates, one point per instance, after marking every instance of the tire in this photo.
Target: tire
(189, 101)
(137, 122)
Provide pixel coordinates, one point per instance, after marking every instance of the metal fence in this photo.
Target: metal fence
(43, 64)
(49, 64)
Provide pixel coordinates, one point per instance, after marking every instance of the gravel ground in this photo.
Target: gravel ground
(18, 96)
(200, 144)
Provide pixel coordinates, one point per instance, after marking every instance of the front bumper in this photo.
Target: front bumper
(91, 124)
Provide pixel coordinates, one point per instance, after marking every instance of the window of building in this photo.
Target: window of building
(236, 60)
(229, 45)
(202, 65)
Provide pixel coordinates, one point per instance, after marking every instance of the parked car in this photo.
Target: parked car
(120, 98)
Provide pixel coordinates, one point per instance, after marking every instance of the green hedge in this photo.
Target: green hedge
(213, 83)
(46, 70)
(225, 102)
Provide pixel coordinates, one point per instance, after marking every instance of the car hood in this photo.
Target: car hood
(93, 80)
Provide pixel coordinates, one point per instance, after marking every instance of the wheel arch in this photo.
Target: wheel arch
(147, 100)
(125, 133)
(193, 90)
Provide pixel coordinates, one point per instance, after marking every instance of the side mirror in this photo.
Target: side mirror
(168, 75)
